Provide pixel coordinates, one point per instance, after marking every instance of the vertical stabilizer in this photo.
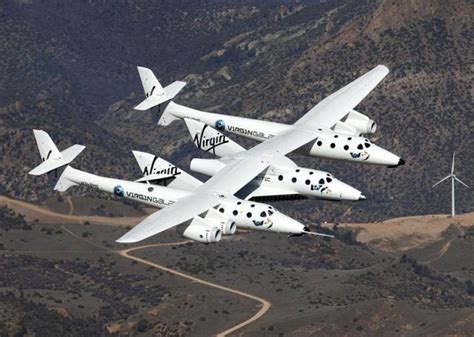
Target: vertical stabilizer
(158, 171)
(154, 92)
(46, 146)
(54, 163)
(210, 140)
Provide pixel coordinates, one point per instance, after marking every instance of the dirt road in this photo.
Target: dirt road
(264, 304)
(33, 212)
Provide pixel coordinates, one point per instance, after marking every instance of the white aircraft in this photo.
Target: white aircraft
(339, 129)
(287, 181)
(208, 212)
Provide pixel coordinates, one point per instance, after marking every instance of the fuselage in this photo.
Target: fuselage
(329, 144)
(245, 214)
(287, 183)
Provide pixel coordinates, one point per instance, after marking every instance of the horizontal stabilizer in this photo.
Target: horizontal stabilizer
(151, 102)
(51, 164)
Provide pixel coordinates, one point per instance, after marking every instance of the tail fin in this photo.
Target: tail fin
(154, 92)
(158, 171)
(54, 162)
(210, 140)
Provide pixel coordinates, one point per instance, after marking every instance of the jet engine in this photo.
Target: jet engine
(202, 231)
(360, 122)
(208, 167)
(219, 220)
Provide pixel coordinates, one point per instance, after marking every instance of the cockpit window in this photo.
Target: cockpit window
(263, 214)
(360, 147)
(328, 180)
(367, 145)
(270, 212)
(321, 181)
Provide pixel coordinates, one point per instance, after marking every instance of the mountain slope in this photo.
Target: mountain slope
(73, 73)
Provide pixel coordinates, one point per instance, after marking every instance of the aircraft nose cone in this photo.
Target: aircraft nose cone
(362, 197)
(401, 162)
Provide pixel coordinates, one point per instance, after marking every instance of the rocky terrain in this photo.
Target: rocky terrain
(72, 273)
(71, 71)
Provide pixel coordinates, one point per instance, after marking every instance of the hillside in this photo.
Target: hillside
(71, 70)
(59, 271)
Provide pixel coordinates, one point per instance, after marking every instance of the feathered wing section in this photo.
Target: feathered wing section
(336, 106)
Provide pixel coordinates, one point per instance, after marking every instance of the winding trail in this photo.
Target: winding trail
(265, 305)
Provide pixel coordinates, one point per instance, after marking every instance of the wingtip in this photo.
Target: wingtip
(125, 239)
(383, 67)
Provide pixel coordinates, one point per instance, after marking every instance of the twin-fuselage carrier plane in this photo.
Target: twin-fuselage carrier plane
(240, 179)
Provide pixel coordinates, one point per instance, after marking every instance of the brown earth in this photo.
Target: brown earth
(402, 234)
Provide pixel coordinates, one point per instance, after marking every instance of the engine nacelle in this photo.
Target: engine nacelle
(219, 220)
(362, 123)
(202, 231)
(208, 167)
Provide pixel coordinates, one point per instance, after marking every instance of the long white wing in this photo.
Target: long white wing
(334, 107)
(183, 210)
